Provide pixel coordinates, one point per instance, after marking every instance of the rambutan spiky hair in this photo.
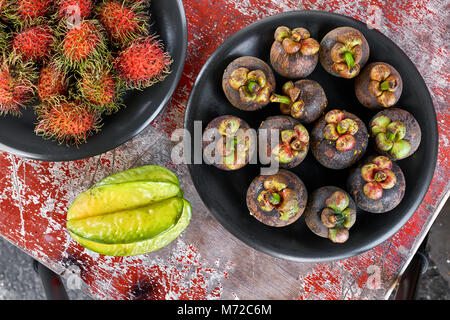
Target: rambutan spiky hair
(35, 43)
(26, 12)
(101, 88)
(143, 63)
(52, 83)
(4, 39)
(123, 22)
(74, 9)
(16, 84)
(82, 43)
(66, 121)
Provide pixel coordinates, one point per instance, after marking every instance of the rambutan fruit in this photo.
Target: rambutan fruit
(143, 63)
(4, 40)
(123, 23)
(74, 9)
(66, 121)
(52, 83)
(16, 84)
(101, 89)
(2, 6)
(82, 42)
(34, 43)
(144, 2)
(24, 11)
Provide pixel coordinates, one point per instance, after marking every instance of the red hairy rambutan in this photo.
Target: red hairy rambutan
(74, 9)
(16, 84)
(83, 41)
(78, 57)
(4, 40)
(143, 63)
(26, 10)
(52, 83)
(123, 23)
(2, 5)
(34, 43)
(143, 2)
(66, 121)
(101, 89)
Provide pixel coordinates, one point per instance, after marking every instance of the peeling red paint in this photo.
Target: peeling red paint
(324, 283)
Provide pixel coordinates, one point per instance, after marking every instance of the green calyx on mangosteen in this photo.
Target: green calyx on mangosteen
(286, 140)
(389, 137)
(248, 83)
(338, 217)
(277, 200)
(346, 55)
(343, 52)
(298, 39)
(377, 184)
(294, 54)
(283, 200)
(378, 86)
(396, 133)
(293, 143)
(234, 145)
(339, 139)
(304, 100)
(252, 85)
(379, 177)
(341, 130)
(330, 213)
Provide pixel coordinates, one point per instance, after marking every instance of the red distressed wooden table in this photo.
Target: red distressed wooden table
(206, 262)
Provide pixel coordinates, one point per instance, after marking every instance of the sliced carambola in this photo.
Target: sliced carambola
(140, 247)
(129, 226)
(121, 196)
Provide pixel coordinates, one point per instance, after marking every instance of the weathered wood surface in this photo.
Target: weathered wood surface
(206, 262)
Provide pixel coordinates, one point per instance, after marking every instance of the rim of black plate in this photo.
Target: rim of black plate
(231, 228)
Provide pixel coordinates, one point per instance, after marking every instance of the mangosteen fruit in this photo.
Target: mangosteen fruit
(330, 213)
(343, 52)
(304, 100)
(294, 54)
(286, 140)
(277, 200)
(232, 145)
(396, 133)
(377, 185)
(248, 83)
(339, 139)
(378, 86)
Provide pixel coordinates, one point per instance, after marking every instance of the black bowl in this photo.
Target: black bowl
(224, 192)
(17, 136)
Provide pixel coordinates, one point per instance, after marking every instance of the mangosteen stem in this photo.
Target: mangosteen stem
(279, 98)
(275, 198)
(252, 86)
(380, 176)
(384, 85)
(348, 56)
(391, 136)
(340, 219)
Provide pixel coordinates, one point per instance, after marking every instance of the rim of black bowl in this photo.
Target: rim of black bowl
(296, 258)
(85, 152)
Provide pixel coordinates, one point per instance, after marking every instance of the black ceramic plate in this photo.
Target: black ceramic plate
(168, 20)
(224, 192)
